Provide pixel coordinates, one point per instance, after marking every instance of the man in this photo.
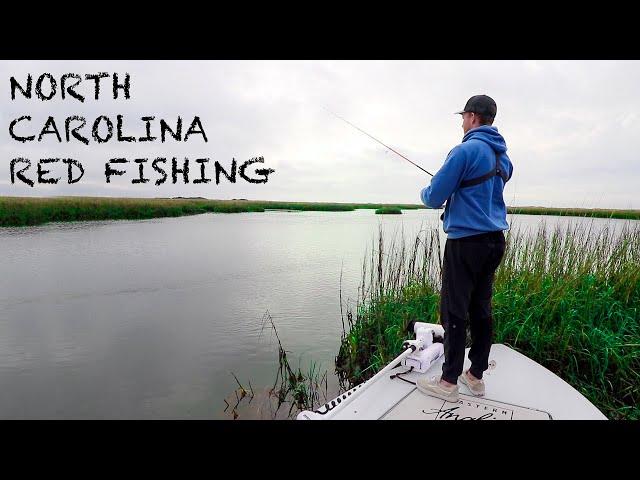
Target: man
(471, 181)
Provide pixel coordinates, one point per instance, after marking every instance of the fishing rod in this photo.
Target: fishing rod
(374, 138)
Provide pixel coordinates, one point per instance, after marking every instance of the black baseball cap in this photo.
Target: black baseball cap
(481, 104)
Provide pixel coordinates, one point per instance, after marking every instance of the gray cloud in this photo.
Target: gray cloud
(569, 126)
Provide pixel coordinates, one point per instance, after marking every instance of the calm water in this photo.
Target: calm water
(147, 319)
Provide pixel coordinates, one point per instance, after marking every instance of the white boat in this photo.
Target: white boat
(517, 388)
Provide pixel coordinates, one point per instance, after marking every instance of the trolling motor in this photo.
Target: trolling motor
(419, 354)
(427, 347)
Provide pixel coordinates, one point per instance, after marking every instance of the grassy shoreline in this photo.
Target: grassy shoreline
(577, 212)
(567, 298)
(388, 211)
(26, 211)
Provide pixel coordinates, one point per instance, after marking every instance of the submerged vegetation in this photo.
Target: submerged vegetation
(292, 387)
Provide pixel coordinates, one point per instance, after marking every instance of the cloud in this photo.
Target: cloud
(569, 126)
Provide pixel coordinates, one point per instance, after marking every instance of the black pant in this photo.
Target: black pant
(467, 286)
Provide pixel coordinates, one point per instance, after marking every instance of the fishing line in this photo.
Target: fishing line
(374, 138)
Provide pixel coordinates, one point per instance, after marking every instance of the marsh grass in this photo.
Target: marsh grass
(293, 388)
(568, 299)
(389, 211)
(25, 211)
(577, 212)
(396, 287)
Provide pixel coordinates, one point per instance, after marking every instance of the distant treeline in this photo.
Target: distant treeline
(22, 211)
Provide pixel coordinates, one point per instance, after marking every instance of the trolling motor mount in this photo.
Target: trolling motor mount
(427, 347)
(438, 331)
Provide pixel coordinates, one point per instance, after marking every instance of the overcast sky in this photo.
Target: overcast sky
(570, 126)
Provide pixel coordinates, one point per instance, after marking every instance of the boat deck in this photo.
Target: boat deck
(517, 388)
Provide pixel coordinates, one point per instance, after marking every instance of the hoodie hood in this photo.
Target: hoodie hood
(488, 134)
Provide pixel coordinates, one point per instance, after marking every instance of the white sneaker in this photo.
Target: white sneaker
(433, 387)
(476, 386)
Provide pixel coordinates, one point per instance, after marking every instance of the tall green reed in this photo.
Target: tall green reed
(569, 298)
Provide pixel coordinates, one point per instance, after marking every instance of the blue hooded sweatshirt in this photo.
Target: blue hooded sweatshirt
(479, 208)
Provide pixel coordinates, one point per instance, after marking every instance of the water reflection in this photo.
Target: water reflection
(146, 319)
